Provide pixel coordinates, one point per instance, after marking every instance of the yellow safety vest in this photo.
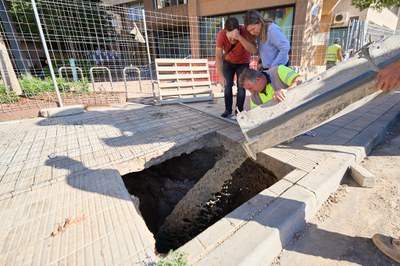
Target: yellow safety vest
(331, 53)
(281, 77)
(264, 96)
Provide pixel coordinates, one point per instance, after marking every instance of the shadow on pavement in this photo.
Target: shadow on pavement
(140, 124)
(286, 217)
(105, 181)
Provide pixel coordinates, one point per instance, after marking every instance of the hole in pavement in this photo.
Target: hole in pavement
(183, 196)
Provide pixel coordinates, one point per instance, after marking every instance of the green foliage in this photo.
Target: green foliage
(82, 86)
(32, 86)
(53, 15)
(79, 87)
(375, 4)
(7, 96)
(22, 14)
(174, 258)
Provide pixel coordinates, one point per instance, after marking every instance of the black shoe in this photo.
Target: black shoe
(226, 113)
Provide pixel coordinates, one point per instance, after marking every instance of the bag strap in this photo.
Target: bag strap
(229, 50)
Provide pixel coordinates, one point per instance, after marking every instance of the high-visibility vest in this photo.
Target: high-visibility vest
(331, 53)
(263, 97)
(279, 77)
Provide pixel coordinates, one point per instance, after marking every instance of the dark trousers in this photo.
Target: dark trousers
(330, 65)
(229, 71)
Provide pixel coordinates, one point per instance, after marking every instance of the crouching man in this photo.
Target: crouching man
(269, 85)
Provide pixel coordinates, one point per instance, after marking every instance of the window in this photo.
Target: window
(167, 3)
(135, 12)
(283, 17)
(354, 18)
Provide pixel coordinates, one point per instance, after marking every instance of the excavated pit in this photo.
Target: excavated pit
(183, 196)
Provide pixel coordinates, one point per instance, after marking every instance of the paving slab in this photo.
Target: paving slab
(337, 145)
(70, 167)
(62, 196)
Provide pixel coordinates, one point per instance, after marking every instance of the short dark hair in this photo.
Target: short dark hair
(249, 75)
(231, 24)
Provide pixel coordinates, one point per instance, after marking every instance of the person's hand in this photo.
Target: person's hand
(280, 95)
(296, 82)
(389, 77)
(234, 34)
(222, 81)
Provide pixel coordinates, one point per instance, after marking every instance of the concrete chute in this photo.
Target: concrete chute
(318, 99)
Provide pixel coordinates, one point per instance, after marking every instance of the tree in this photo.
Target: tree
(70, 27)
(22, 13)
(375, 4)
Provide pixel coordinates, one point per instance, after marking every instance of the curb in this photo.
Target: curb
(256, 232)
(61, 111)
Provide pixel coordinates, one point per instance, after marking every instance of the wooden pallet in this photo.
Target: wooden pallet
(183, 80)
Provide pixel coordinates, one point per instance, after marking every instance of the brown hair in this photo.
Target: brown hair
(254, 17)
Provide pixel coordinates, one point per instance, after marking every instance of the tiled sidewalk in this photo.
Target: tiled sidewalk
(70, 168)
(95, 140)
(62, 198)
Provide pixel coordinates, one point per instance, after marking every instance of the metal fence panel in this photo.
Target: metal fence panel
(83, 35)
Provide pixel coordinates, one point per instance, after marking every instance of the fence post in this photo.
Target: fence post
(46, 51)
(348, 35)
(148, 53)
(12, 37)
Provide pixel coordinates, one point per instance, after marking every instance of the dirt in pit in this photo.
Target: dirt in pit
(246, 182)
(160, 188)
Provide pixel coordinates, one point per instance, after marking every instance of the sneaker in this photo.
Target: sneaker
(226, 113)
(389, 246)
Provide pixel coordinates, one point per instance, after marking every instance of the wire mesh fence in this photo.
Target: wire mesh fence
(101, 52)
(376, 33)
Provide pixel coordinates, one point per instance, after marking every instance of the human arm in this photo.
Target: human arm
(290, 78)
(389, 77)
(278, 39)
(296, 82)
(280, 95)
(339, 54)
(259, 64)
(247, 44)
(219, 50)
(218, 61)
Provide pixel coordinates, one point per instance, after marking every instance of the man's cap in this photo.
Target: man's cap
(337, 40)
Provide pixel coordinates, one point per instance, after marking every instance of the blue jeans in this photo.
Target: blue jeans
(229, 71)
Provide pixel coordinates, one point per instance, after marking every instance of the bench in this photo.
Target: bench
(183, 80)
